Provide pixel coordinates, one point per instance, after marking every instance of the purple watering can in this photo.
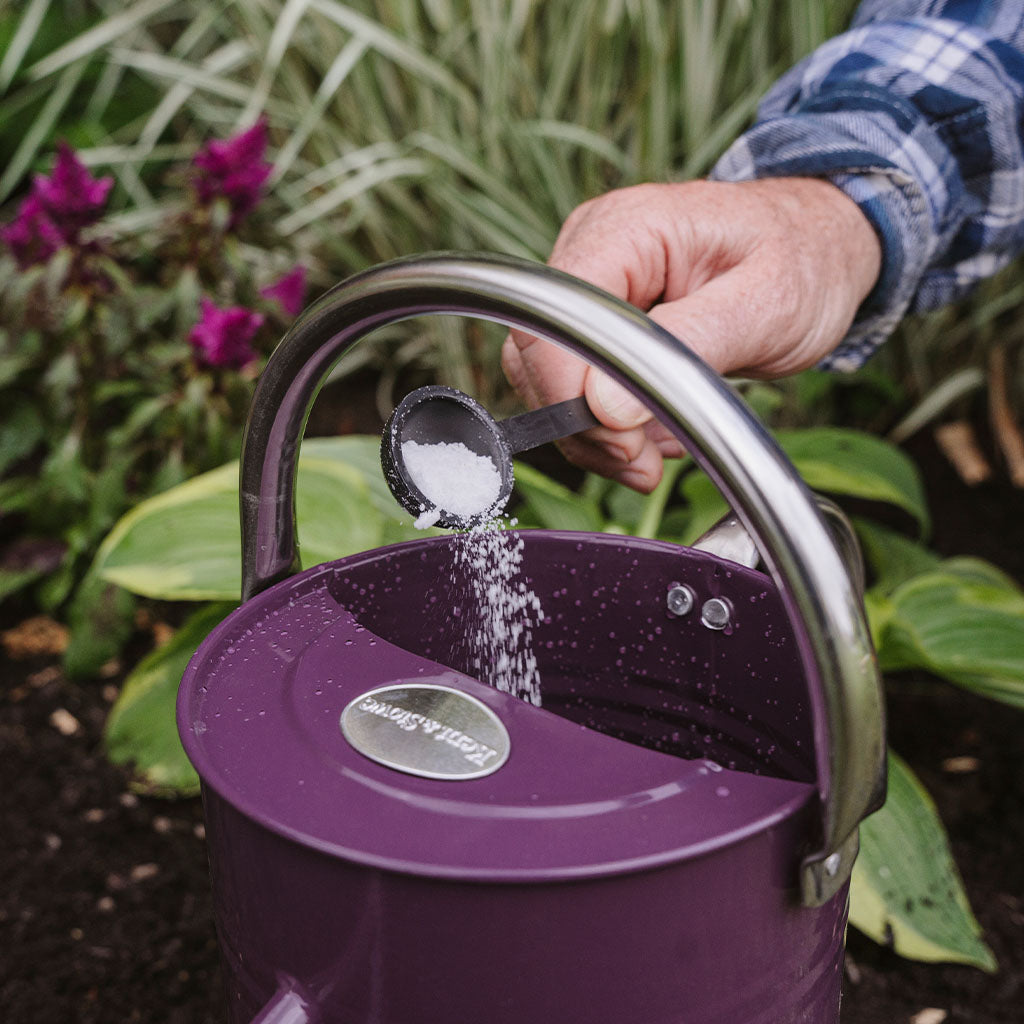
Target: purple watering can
(668, 840)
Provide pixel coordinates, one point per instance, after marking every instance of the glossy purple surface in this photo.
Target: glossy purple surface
(589, 879)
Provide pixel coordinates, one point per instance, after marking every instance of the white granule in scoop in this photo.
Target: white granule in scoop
(453, 478)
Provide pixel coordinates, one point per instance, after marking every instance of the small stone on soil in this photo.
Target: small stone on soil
(64, 722)
(963, 765)
(44, 677)
(142, 872)
(929, 1015)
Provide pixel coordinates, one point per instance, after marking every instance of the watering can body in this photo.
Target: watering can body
(666, 840)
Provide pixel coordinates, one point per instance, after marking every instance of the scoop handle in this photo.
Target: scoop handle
(549, 423)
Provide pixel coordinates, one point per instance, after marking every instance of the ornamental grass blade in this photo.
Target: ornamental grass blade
(905, 889)
(184, 544)
(141, 730)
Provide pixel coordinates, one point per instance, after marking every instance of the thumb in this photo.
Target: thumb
(612, 404)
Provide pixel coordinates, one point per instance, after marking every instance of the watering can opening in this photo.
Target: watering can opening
(613, 653)
(660, 738)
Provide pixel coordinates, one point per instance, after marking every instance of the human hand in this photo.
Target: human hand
(759, 278)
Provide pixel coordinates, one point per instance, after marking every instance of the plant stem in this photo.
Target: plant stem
(654, 507)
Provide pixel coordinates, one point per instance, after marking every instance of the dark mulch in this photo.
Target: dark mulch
(105, 914)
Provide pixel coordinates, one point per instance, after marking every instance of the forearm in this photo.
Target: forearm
(917, 118)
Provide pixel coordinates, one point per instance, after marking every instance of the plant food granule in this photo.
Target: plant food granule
(453, 478)
(495, 639)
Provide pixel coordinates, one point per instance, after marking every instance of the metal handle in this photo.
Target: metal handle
(724, 437)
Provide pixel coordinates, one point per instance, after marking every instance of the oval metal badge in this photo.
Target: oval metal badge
(426, 729)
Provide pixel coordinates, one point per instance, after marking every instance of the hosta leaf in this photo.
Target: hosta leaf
(905, 887)
(101, 620)
(141, 730)
(13, 580)
(184, 544)
(704, 503)
(555, 507)
(361, 452)
(961, 622)
(839, 461)
(892, 558)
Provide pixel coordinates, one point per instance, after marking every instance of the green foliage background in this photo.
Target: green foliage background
(400, 127)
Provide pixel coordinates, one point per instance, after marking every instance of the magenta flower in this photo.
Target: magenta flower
(57, 209)
(73, 198)
(223, 337)
(235, 170)
(32, 237)
(289, 291)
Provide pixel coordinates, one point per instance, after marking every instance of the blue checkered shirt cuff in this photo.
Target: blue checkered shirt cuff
(919, 121)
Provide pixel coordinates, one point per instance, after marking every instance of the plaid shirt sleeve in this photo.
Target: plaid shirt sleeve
(917, 114)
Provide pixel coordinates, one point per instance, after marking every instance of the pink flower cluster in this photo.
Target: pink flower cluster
(223, 337)
(234, 169)
(289, 291)
(56, 210)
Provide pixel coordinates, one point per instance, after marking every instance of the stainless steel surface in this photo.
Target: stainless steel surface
(426, 729)
(846, 540)
(716, 613)
(702, 410)
(729, 539)
(679, 600)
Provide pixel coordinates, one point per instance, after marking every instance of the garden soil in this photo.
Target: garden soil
(105, 910)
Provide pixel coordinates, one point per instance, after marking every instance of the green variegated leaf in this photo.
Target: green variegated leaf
(184, 544)
(905, 888)
(360, 452)
(141, 730)
(838, 461)
(964, 622)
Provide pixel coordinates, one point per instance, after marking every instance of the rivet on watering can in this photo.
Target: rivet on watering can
(832, 863)
(679, 600)
(716, 613)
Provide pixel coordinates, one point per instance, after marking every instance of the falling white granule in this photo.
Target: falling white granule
(452, 478)
(498, 617)
(427, 518)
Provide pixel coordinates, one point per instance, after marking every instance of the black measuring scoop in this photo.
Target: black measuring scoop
(440, 414)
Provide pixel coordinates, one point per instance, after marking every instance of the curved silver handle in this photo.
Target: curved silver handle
(705, 413)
